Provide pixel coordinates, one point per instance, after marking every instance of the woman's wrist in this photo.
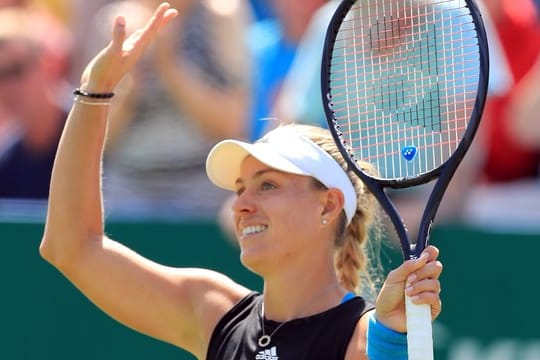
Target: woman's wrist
(90, 85)
(384, 343)
(92, 98)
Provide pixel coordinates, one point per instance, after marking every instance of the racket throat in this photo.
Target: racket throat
(422, 241)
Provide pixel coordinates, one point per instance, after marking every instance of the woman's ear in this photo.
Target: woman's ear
(333, 204)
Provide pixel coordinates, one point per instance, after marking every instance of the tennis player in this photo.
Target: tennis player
(301, 221)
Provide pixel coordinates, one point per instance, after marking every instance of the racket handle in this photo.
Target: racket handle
(419, 332)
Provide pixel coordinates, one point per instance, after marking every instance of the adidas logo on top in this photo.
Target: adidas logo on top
(268, 354)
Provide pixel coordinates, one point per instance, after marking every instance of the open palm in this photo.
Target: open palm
(109, 66)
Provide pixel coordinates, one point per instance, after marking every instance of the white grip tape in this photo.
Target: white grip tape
(419, 332)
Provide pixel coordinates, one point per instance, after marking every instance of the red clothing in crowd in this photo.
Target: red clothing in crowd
(519, 33)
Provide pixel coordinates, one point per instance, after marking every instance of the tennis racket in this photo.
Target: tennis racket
(404, 84)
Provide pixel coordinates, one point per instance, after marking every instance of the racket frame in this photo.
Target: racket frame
(443, 173)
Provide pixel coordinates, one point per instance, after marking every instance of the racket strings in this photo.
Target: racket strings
(403, 81)
(454, 111)
(466, 64)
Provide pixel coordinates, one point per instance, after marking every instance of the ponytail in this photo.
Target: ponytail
(357, 270)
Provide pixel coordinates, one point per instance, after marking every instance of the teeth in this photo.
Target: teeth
(255, 229)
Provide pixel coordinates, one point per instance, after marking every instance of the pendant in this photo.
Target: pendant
(264, 341)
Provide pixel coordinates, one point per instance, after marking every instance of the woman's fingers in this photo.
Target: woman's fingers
(134, 45)
(425, 277)
(432, 252)
(419, 278)
(411, 271)
(408, 268)
(119, 57)
(160, 18)
(429, 298)
(426, 292)
(431, 270)
(427, 285)
(423, 285)
(119, 33)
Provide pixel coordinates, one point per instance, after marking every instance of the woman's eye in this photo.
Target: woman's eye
(267, 186)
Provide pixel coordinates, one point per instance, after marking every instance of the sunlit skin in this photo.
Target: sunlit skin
(287, 211)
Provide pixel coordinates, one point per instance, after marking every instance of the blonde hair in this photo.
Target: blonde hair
(356, 261)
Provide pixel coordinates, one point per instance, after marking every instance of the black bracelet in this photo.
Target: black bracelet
(93, 95)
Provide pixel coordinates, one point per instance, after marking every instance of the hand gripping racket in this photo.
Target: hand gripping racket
(404, 84)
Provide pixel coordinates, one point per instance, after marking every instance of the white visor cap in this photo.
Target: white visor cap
(283, 149)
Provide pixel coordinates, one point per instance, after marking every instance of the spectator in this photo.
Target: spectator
(260, 8)
(300, 98)
(9, 132)
(274, 42)
(510, 157)
(508, 177)
(188, 92)
(34, 51)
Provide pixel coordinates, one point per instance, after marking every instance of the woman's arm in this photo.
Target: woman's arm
(180, 306)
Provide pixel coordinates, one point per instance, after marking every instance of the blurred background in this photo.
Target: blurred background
(237, 68)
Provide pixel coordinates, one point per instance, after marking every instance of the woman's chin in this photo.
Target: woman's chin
(253, 260)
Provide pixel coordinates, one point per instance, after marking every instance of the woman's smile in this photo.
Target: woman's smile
(252, 230)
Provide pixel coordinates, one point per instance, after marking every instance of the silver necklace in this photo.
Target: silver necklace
(265, 339)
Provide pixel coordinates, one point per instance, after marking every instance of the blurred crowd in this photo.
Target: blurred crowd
(234, 68)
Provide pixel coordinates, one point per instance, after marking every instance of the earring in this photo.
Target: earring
(324, 221)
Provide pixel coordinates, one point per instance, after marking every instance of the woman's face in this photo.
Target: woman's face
(277, 216)
(21, 78)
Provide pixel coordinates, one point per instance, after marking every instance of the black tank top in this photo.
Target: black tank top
(322, 336)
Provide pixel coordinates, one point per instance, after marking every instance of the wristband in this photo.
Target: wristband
(384, 343)
(80, 92)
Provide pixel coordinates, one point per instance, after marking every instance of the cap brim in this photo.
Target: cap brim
(224, 162)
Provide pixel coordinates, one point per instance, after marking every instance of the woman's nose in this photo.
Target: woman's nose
(243, 203)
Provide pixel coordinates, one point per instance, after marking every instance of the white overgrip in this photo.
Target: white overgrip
(419, 331)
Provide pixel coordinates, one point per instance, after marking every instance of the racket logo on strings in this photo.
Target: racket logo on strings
(409, 152)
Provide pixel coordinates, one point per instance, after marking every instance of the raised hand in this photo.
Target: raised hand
(107, 68)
